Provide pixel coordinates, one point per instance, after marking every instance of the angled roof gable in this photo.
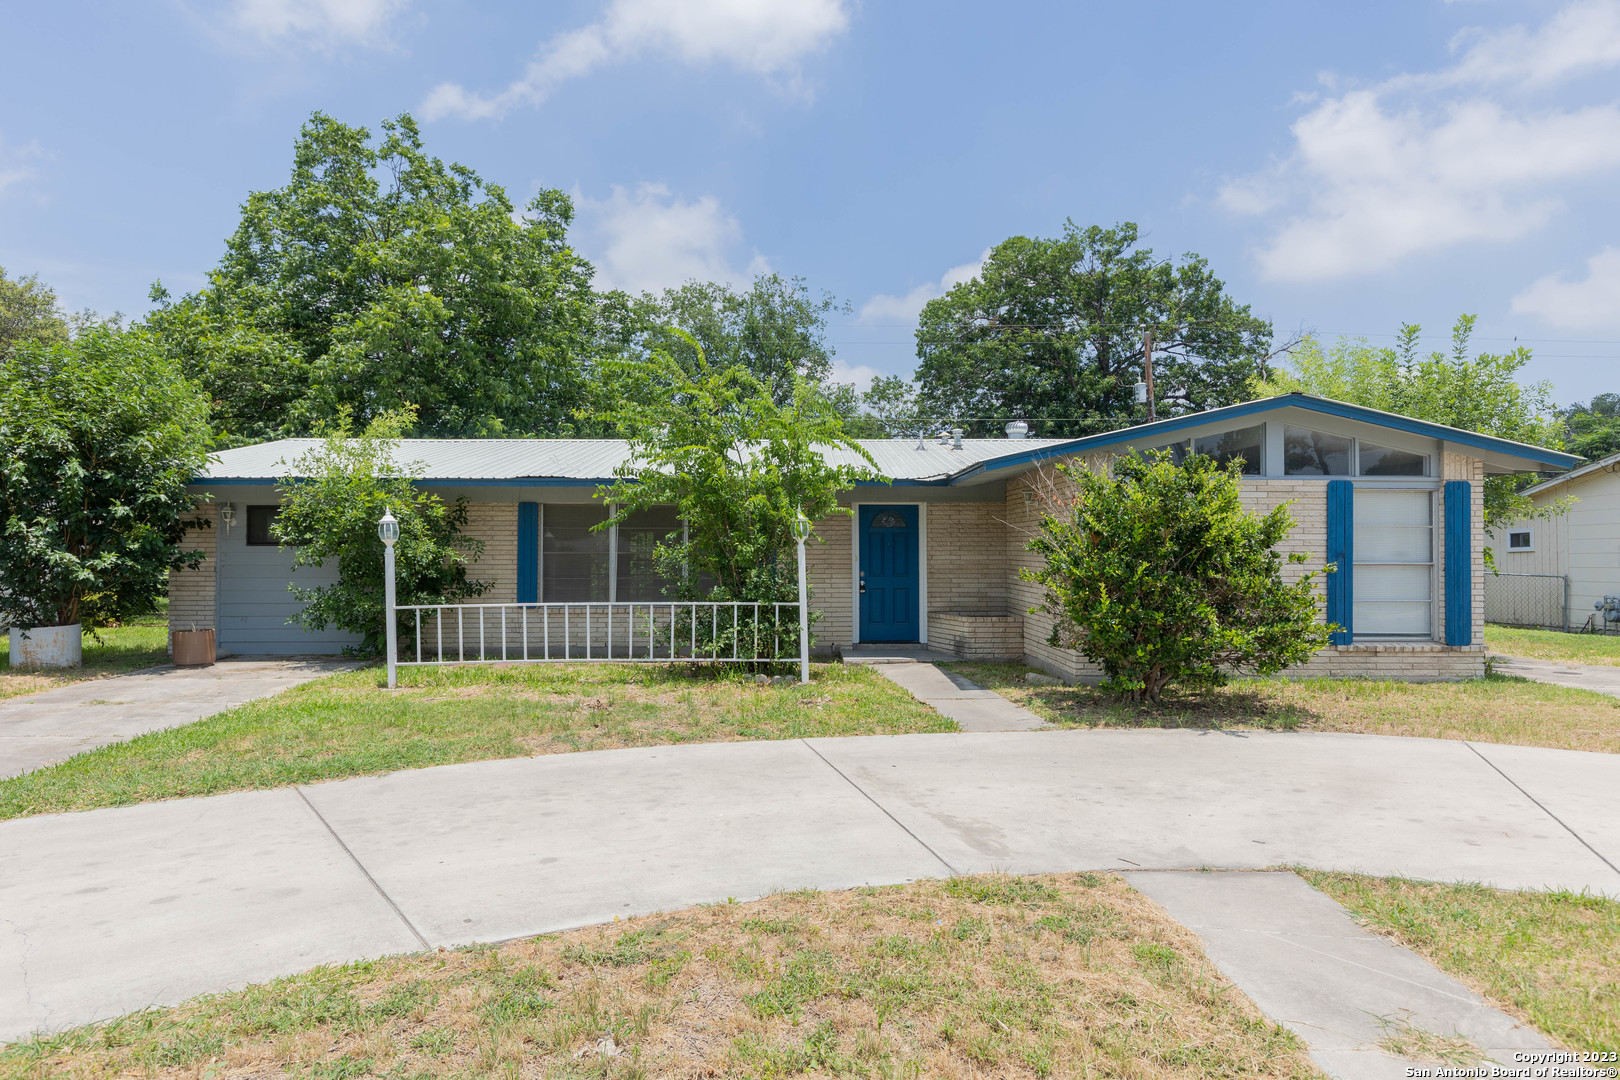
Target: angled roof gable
(1534, 458)
(1609, 464)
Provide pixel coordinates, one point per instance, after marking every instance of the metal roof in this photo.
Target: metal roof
(543, 462)
(592, 461)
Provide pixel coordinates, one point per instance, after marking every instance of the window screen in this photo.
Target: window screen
(573, 559)
(640, 533)
(1315, 453)
(1245, 444)
(1394, 557)
(259, 521)
(1519, 541)
(1387, 461)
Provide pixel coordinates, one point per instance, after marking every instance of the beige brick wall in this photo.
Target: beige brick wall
(192, 592)
(967, 559)
(977, 637)
(496, 525)
(827, 558)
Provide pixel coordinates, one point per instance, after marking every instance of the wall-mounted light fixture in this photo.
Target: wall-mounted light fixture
(227, 514)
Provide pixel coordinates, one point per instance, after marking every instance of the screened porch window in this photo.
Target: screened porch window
(638, 578)
(573, 558)
(1394, 563)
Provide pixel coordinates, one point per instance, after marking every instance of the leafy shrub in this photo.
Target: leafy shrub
(1159, 575)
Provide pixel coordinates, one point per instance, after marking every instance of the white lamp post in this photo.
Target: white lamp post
(801, 533)
(388, 532)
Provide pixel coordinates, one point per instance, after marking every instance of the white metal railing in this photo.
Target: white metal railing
(709, 631)
(735, 638)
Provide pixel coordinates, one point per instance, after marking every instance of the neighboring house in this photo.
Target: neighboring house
(1556, 572)
(935, 556)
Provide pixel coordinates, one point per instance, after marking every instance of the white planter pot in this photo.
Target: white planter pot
(47, 646)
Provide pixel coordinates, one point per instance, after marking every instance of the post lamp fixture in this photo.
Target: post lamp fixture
(388, 533)
(227, 515)
(801, 533)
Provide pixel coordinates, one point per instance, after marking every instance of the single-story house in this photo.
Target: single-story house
(934, 556)
(1555, 572)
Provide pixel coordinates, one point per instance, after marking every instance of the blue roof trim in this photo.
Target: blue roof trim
(1345, 410)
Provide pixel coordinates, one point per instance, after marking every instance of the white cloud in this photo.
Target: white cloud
(765, 37)
(859, 374)
(905, 309)
(19, 164)
(651, 240)
(1582, 37)
(1589, 304)
(1383, 173)
(325, 22)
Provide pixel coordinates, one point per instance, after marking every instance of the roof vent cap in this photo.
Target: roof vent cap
(1017, 429)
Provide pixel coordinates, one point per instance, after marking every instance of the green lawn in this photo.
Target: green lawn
(348, 725)
(1552, 959)
(139, 643)
(1497, 708)
(1062, 975)
(1554, 645)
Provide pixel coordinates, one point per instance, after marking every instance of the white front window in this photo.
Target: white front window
(1394, 563)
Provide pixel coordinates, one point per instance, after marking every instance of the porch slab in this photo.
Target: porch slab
(894, 654)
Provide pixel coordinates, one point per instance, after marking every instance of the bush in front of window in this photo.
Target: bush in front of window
(1159, 575)
(332, 499)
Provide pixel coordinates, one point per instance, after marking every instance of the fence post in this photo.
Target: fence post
(801, 530)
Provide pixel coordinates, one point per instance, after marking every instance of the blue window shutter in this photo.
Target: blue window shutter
(1459, 562)
(528, 553)
(1341, 532)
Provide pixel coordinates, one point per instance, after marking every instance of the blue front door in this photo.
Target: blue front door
(888, 573)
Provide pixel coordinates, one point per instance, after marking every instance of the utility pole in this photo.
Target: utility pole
(1147, 372)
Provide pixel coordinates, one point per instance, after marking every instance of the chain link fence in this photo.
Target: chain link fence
(1534, 600)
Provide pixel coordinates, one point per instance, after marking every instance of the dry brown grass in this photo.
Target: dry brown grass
(1497, 708)
(1061, 975)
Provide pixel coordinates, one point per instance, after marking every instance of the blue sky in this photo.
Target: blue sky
(1344, 167)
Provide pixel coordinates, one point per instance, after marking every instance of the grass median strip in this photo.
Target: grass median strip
(1552, 959)
(348, 725)
(1497, 708)
(1057, 975)
(1599, 649)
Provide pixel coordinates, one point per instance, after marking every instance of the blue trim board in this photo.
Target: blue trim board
(1341, 551)
(1538, 454)
(1459, 562)
(528, 553)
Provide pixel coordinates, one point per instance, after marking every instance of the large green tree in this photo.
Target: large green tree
(29, 312)
(776, 330)
(1052, 330)
(381, 277)
(1593, 429)
(1478, 392)
(99, 436)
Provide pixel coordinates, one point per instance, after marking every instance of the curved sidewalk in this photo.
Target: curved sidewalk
(111, 910)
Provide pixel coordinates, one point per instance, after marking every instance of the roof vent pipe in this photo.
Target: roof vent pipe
(956, 438)
(1017, 429)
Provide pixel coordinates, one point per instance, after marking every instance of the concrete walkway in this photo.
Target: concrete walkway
(111, 910)
(972, 706)
(1601, 678)
(53, 725)
(1308, 965)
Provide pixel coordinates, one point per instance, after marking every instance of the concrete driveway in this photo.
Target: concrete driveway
(111, 910)
(53, 725)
